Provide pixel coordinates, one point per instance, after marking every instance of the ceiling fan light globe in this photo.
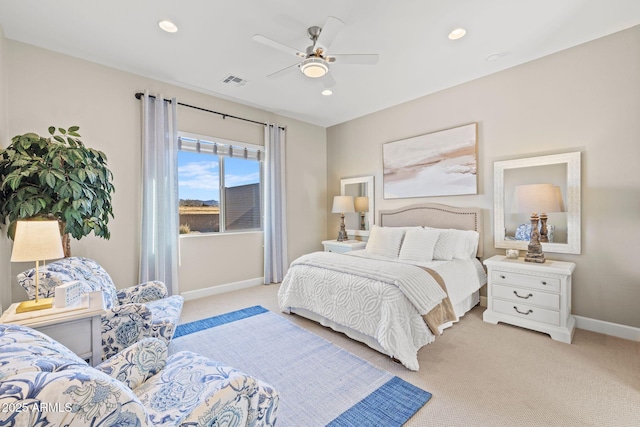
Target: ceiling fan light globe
(314, 67)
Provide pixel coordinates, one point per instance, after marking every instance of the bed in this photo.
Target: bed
(392, 296)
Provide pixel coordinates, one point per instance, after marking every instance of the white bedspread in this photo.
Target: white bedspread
(372, 299)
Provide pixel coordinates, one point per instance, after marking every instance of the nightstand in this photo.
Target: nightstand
(344, 246)
(530, 295)
(77, 328)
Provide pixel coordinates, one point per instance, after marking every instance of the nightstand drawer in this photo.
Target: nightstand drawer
(536, 282)
(526, 296)
(528, 312)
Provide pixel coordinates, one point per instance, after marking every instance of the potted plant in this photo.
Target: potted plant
(56, 177)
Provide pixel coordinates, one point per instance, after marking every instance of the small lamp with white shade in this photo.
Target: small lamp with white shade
(534, 198)
(342, 205)
(362, 206)
(36, 241)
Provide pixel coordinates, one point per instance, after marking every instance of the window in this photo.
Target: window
(219, 185)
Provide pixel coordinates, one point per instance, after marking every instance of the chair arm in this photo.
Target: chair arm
(124, 325)
(210, 393)
(144, 292)
(234, 401)
(137, 363)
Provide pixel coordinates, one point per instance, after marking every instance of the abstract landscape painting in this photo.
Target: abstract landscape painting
(436, 164)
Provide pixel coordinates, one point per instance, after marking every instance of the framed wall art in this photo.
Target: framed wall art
(441, 163)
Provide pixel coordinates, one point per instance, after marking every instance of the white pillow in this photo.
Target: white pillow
(418, 244)
(456, 244)
(385, 241)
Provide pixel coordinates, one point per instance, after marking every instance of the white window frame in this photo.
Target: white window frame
(229, 143)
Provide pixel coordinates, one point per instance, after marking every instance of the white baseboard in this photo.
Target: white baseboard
(219, 289)
(608, 328)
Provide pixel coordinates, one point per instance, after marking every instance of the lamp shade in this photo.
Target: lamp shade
(362, 204)
(542, 198)
(36, 241)
(342, 204)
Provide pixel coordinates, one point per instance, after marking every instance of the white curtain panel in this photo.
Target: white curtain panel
(275, 223)
(159, 245)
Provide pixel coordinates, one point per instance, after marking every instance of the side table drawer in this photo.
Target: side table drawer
(526, 296)
(537, 282)
(528, 312)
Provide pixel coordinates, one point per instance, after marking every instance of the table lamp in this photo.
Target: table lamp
(36, 241)
(534, 198)
(362, 206)
(342, 205)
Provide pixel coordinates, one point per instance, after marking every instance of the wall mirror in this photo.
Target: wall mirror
(561, 170)
(360, 222)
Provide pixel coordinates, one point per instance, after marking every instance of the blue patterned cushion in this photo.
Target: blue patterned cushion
(523, 232)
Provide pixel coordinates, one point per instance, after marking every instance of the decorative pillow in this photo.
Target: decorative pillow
(385, 241)
(418, 244)
(458, 244)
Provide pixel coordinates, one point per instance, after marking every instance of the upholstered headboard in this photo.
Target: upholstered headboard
(437, 216)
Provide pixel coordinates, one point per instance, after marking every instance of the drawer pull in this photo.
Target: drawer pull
(522, 312)
(543, 282)
(502, 276)
(520, 296)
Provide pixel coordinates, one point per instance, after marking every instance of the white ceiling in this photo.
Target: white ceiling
(215, 40)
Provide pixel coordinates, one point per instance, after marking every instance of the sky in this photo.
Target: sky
(198, 175)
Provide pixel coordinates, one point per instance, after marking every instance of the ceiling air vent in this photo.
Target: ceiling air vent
(234, 80)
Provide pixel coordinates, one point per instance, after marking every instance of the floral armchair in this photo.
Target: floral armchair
(42, 383)
(133, 313)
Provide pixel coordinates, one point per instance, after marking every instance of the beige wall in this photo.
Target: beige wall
(583, 99)
(47, 88)
(5, 266)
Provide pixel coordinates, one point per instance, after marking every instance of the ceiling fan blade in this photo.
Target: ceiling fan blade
(330, 30)
(277, 45)
(355, 58)
(284, 71)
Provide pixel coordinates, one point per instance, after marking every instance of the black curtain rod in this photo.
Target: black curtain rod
(224, 116)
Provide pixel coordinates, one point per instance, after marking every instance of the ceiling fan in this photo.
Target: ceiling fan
(315, 62)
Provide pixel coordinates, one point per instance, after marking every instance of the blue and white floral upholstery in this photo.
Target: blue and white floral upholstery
(523, 232)
(44, 384)
(133, 313)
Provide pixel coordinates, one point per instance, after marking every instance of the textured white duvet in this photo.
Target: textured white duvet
(380, 298)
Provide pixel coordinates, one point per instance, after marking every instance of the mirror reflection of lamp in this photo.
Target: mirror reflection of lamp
(362, 206)
(342, 205)
(534, 198)
(36, 241)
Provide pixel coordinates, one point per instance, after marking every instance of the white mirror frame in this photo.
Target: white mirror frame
(370, 216)
(572, 160)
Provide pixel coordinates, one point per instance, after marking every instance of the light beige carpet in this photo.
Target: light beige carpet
(493, 375)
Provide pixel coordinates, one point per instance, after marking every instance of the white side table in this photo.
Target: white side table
(344, 246)
(78, 329)
(531, 295)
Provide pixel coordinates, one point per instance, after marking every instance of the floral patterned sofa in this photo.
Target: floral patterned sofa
(133, 313)
(42, 383)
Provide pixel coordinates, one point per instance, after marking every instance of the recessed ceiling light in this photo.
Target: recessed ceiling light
(458, 33)
(327, 92)
(168, 26)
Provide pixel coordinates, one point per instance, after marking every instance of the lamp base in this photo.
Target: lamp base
(533, 257)
(342, 234)
(534, 250)
(33, 305)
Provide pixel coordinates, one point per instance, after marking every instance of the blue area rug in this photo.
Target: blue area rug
(320, 383)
